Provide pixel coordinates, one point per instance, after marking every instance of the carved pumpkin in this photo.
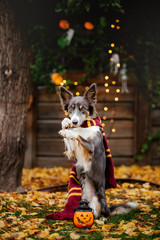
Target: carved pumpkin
(64, 24)
(57, 78)
(88, 25)
(83, 216)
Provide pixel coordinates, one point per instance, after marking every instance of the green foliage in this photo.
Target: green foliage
(147, 143)
(87, 50)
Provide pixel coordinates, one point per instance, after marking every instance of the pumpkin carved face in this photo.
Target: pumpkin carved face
(83, 218)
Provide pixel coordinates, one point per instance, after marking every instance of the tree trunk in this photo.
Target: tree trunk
(14, 93)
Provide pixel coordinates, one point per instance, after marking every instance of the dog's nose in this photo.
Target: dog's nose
(74, 122)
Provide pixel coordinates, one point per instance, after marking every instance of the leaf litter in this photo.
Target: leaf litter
(23, 216)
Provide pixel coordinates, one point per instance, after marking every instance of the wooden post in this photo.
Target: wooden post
(142, 123)
(30, 154)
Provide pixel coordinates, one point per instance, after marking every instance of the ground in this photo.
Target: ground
(23, 216)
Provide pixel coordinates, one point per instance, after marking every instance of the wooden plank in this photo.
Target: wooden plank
(50, 128)
(44, 95)
(50, 162)
(115, 110)
(154, 129)
(127, 161)
(155, 117)
(55, 147)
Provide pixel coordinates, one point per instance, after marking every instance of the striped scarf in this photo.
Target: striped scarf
(74, 186)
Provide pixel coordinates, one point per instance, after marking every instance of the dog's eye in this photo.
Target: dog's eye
(83, 112)
(73, 106)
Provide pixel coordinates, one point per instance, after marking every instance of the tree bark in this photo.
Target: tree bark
(14, 94)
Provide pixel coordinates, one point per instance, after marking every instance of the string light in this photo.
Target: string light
(112, 26)
(113, 130)
(116, 99)
(75, 83)
(61, 83)
(106, 84)
(118, 65)
(105, 108)
(118, 27)
(112, 44)
(104, 117)
(109, 51)
(107, 90)
(112, 120)
(86, 87)
(117, 20)
(67, 87)
(103, 124)
(113, 82)
(117, 90)
(77, 93)
(64, 81)
(106, 77)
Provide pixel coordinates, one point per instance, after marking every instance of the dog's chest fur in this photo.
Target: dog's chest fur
(74, 147)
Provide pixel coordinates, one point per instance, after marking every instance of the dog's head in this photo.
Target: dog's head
(79, 108)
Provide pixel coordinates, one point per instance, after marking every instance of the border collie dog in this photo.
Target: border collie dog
(85, 145)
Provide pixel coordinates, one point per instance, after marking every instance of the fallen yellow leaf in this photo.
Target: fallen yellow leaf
(74, 236)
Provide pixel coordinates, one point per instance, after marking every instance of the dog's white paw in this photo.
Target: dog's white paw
(66, 133)
(66, 123)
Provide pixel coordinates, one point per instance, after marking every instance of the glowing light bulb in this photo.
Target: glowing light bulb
(116, 99)
(106, 77)
(113, 130)
(67, 87)
(103, 124)
(113, 82)
(61, 83)
(112, 44)
(86, 87)
(117, 90)
(109, 51)
(118, 65)
(104, 117)
(64, 81)
(118, 27)
(106, 84)
(75, 83)
(112, 26)
(77, 93)
(112, 120)
(105, 108)
(107, 90)
(117, 20)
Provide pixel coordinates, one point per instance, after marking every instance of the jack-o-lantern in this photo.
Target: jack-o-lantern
(64, 24)
(83, 216)
(88, 25)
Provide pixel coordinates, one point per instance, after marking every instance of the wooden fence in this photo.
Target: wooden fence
(45, 146)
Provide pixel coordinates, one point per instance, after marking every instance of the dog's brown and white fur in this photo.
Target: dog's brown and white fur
(85, 145)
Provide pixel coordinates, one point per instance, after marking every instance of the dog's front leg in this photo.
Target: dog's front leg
(68, 133)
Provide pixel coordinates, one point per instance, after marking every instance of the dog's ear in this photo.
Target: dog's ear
(65, 97)
(91, 94)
